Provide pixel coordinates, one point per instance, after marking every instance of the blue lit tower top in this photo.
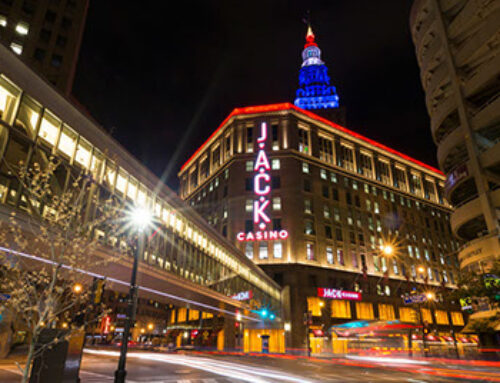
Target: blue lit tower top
(315, 91)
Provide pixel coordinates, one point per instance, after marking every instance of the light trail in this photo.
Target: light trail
(123, 283)
(228, 369)
(385, 360)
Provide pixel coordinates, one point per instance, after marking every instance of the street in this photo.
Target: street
(150, 367)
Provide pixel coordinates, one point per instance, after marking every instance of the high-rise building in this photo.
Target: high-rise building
(46, 34)
(312, 203)
(315, 91)
(457, 49)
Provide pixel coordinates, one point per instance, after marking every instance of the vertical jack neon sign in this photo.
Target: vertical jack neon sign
(262, 189)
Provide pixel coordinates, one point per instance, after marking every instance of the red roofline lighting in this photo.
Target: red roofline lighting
(289, 106)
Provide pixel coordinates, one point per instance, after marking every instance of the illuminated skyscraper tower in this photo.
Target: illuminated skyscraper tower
(315, 91)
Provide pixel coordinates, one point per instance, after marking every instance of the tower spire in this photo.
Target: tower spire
(315, 91)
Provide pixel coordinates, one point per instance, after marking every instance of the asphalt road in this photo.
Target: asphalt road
(148, 367)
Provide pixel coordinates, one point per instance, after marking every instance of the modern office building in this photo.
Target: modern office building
(189, 276)
(46, 34)
(456, 43)
(311, 202)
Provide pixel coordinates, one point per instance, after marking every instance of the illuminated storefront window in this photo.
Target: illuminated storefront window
(386, 312)
(364, 310)
(340, 309)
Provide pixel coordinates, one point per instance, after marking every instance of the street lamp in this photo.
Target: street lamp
(387, 249)
(140, 218)
(77, 288)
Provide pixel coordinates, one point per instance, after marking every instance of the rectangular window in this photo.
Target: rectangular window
(407, 314)
(275, 164)
(263, 250)
(310, 251)
(277, 250)
(249, 166)
(365, 164)
(67, 141)
(307, 206)
(386, 312)
(384, 172)
(457, 318)
(354, 260)
(441, 317)
(328, 232)
(305, 167)
(322, 174)
(364, 310)
(347, 157)
(249, 205)
(340, 309)
(249, 250)
(325, 191)
(326, 211)
(49, 128)
(314, 306)
(276, 203)
(249, 141)
(309, 228)
(416, 184)
(426, 315)
(338, 234)
(400, 178)
(340, 257)
(304, 139)
(326, 150)
(333, 177)
(336, 214)
(275, 137)
(329, 255)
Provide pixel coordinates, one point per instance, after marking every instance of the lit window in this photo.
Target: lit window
(22, 28)
(275, 164)
(326, 211)
(329, 255)
(307, 206)
(310, 251)
(67, 141)
(16, 47)
(49, 128)
(9, 95)
(83, 153)
(340, 256)
(305, 167)
(341, 309)
(263, 250)
(364, 310)
(386, 312)
(3, 21)
(277, 203)
(248, 205)
(322, 173)
(277, 249)
(121, 182)
(249, 166)
(333, 177)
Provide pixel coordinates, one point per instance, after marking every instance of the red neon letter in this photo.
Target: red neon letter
(258, 211)
(263, 132)
(257, 188)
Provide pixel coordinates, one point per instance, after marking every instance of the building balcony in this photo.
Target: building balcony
(477, 42)
(488, 114)
(451, 149)
(439, 76)
(439, 113)
(486, 73)
(479, 250)
(467, 220)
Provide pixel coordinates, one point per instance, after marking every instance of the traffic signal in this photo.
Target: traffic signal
(98, 285)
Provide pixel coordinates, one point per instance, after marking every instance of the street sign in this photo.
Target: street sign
(243, 295)
(418, 298)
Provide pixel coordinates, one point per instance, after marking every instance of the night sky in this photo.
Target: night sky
(162, 75)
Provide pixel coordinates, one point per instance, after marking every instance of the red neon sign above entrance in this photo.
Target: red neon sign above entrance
(325, 292)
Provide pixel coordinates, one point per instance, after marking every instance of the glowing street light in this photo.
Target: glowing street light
(151, 326)
(387, 249)
(430, 296)
(140, 218)
(77, 288)
(421, 269)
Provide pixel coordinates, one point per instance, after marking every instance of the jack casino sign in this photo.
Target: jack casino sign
(262, 191)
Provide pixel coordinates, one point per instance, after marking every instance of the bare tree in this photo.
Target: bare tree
(50, 244)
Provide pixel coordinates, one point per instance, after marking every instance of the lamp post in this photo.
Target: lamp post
(140, 219)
